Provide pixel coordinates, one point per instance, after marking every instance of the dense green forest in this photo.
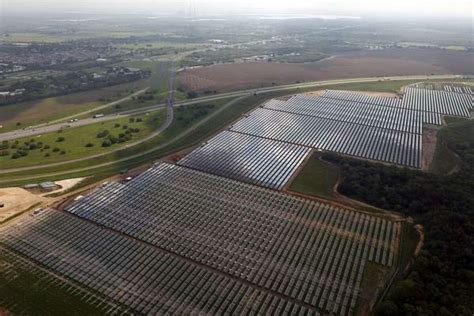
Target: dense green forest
(441, 279)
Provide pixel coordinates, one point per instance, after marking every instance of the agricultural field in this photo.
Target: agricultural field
(389, 62)
(84, 141)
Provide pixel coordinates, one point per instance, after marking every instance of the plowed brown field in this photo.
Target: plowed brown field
(389, 62)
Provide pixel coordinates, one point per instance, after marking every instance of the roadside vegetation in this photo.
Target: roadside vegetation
(73, 143)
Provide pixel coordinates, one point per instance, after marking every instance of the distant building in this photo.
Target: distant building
(31, 186)
(48, 186)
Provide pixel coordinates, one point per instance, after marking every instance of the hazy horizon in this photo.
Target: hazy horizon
(401, 8)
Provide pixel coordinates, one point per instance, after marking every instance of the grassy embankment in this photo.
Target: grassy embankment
(80, 141)
(317, 178)
(445, 160)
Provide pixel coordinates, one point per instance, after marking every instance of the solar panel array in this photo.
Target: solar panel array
(446, 86)
(385, 117)
(312, 253)
(371, 127)
(251, 159)
(13, 265)
(138, 275)
(431, 101)
(358, 98)
(458, 89)
(361, 98)
(447, 103)
(348, 138)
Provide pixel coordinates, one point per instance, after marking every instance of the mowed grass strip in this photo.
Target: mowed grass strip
(458, 130)
(317, 178)
(72, 143)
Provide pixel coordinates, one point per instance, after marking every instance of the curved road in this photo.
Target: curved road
(169, 119)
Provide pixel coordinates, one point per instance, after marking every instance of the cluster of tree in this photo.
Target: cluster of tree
(71, 82)
(189, 113)
(18, 150)
(109, 139)
(441, 279)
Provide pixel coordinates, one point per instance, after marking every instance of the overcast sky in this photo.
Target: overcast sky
(204, 7)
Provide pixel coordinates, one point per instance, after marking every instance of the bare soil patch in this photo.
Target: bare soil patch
(378, 94)
(429, 147)
(16, 201)
(65, 185)
(315, 93)
(421, 241)
(389, 62)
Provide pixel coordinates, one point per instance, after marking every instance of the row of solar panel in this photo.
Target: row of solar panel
(433, 101)
(305, 250)
(342, 137)
(137, 275)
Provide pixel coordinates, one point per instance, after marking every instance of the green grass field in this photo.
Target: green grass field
(445, 160)
(186, 124)
(44, 110)
(317, 178)
(76, 139)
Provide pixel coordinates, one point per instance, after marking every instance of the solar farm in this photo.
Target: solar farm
(251, 159)
(176, 240)
(450, 87)
(214, 233)
(268, 145)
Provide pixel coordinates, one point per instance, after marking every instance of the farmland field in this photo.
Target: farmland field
(390, 62)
